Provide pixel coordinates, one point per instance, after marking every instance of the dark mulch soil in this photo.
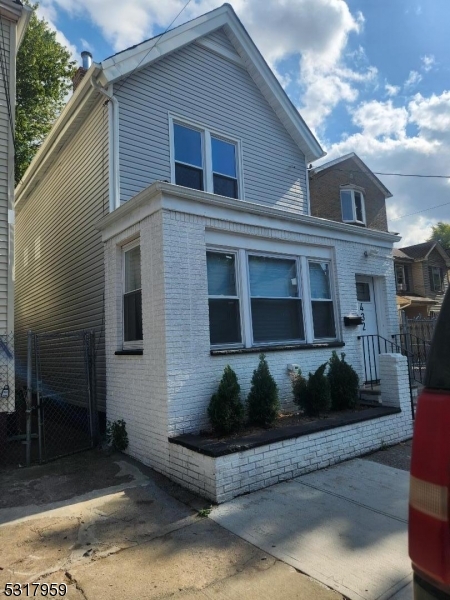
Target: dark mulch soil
(286, 419)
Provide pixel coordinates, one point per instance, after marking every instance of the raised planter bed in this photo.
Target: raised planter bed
(211, 446)
(220, 469)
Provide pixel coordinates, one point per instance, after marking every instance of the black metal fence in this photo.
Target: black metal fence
(48, 407)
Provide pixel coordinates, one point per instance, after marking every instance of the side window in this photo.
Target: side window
(132, 296)
(224, 168)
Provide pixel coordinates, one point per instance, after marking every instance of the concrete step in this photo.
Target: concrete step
(370, 396)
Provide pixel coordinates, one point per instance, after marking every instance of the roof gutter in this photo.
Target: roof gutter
(114, 170)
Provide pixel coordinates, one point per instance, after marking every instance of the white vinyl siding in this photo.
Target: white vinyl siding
(5, 167)
(59, 252)
(202, 86)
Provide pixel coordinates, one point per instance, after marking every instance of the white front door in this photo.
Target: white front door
(369, 329)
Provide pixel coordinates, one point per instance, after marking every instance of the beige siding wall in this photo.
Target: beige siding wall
(59, 253)
(6, 171)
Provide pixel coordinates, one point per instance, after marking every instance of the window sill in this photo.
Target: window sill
(254, 349)
(130, 352)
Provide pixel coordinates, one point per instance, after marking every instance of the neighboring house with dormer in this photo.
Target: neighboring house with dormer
(421, 278)
(172, 206)
(347, 191)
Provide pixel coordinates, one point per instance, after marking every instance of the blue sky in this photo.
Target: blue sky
(369, 76)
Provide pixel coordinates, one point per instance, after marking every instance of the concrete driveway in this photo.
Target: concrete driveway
(345, 526)
(111, 529)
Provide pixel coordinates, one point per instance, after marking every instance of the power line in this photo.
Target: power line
(421, 175)
(159, 38)
(419, 211)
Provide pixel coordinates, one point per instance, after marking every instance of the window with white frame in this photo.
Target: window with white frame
(276, 307)
(223, 299)
(263, 299)
(321, 300)
(352, 204)
(205, 160)
(132, 295)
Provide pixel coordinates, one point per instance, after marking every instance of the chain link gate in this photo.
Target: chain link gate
(64, 370)
(47, 396)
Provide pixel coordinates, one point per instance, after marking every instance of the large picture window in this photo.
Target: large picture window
(275, 303)
(260, 299)
(132, 296)
(204, 160)
(224, 312)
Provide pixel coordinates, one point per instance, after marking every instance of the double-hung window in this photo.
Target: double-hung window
(276, 306)
(435, 274)
(132, 296)
(352, 204)
(203, 160)
(223, 299)
(321, 300)
(400, 278)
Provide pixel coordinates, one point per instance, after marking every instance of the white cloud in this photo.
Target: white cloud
(381, 119)
(391, 90)
(428, 62)
(384, 144)
(413, 79)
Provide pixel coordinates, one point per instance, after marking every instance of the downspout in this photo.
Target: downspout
(114, 172)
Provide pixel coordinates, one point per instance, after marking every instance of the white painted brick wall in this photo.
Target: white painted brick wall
(166, 391)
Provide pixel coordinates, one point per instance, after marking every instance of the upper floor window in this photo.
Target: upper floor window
(132, 295)
(436, 279)
(400, 278)
(352, 204)
(203, 160)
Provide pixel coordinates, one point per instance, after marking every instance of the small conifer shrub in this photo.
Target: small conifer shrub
(344, 383)
(262, 402)
(225, 410)
(299, 384)
(314, 396)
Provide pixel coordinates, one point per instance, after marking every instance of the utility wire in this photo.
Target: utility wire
(422, 175)
(159, 38)
(419, 211)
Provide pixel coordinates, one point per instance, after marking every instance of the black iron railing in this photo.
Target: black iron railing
(416, 349)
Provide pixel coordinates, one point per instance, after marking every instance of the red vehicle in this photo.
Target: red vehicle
(429, 499)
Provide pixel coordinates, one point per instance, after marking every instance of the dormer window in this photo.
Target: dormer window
(352, 204)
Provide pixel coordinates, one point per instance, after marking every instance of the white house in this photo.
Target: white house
(195, 161)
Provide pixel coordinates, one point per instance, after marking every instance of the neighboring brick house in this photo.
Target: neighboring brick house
(171, 200)
(422, 278)
(347, 191)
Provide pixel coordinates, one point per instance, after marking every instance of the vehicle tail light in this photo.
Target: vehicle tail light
(429, 533)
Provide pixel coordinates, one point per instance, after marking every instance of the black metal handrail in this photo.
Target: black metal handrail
(417, 350)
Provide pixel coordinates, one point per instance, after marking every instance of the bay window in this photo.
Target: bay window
(258, 299)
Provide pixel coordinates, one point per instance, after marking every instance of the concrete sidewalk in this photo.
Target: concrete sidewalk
(346, 526)
(111, 529)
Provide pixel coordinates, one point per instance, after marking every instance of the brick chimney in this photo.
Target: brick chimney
(81, 71)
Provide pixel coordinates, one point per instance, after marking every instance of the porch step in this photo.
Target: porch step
(370, 396)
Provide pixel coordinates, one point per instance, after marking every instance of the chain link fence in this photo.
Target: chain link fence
(47, 396)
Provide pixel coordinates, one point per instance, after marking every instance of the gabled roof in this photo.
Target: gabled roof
(121, 65)
(360, 165)
(397, 253)
(422, 251)
(142, 55)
